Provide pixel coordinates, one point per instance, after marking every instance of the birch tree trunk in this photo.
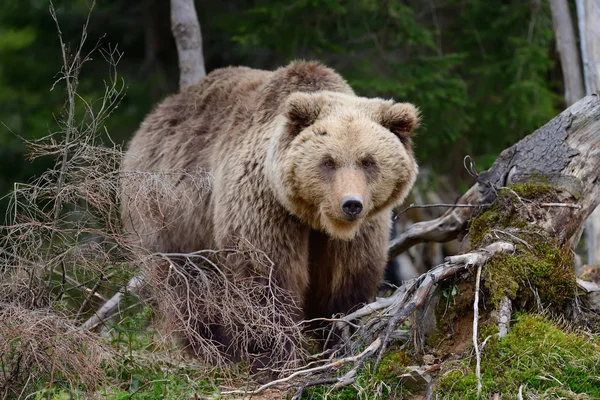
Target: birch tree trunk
(188, 38)
(566, 45)
(588, 15)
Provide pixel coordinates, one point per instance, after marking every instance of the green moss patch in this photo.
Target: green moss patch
(549, 362)
(539, 268)
(392, 365)
(509, 211)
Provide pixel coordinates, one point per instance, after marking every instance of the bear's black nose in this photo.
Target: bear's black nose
(352, 205)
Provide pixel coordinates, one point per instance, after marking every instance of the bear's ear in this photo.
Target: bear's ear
(301, 110)
(402, 119)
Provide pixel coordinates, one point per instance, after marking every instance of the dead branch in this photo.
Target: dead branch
(108, 309)
(504, 313)
(475, 323)
(334, 366)
(377, 320)
(41, 341)
(440, 205)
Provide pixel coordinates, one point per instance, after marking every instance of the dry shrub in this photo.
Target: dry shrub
(222, 316)
(42, 343)
(61, 240)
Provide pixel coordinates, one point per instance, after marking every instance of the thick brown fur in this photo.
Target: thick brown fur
(281, 149)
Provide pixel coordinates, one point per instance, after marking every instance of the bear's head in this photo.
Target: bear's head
(338, 159)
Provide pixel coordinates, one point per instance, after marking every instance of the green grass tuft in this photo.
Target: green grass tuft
(538, 354)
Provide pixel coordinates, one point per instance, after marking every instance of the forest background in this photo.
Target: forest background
(484, 73)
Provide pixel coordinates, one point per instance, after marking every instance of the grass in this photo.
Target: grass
(146, 369)
(545, 358)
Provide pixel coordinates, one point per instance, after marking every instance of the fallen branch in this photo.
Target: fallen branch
(588, 287)
(109, 308)
(393, 309)
(504, 313)
(442, 205)
(565, 153)
(331, 366)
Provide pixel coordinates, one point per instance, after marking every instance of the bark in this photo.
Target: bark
(566, 45)
(588, 15)
(565, 151)
(188, 37)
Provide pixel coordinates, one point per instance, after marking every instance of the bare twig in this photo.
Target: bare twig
(331, 366)
(441, 205)
(567, 205)
(108, 309)
(475, 323)
(442, 229)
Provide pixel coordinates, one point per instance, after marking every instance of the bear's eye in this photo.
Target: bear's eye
(329, 163)
(368, 163)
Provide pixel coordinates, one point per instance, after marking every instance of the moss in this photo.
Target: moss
(538, 354)
(541, 267)
(392, 366)
(538, 266)
(499, 216)
(326, 392)
(533, 191)
(507, 210)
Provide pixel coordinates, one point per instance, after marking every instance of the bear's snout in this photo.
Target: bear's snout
(352, 206)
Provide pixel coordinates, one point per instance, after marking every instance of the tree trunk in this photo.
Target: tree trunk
(188, 37)
(588, 15)
(566, 45)
(565, 152)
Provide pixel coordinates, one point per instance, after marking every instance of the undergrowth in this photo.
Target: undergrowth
(148, 368)
(541, 355)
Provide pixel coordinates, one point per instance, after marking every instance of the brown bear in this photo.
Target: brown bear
(297, 166)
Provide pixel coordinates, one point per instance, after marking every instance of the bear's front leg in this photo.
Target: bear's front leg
(346, 274)
(266, 257)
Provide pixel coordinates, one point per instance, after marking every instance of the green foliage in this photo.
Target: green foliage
(538, 354)
(392, 365)
(145, 369)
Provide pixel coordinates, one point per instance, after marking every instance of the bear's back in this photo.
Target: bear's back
(180, 131)
(183, 127)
